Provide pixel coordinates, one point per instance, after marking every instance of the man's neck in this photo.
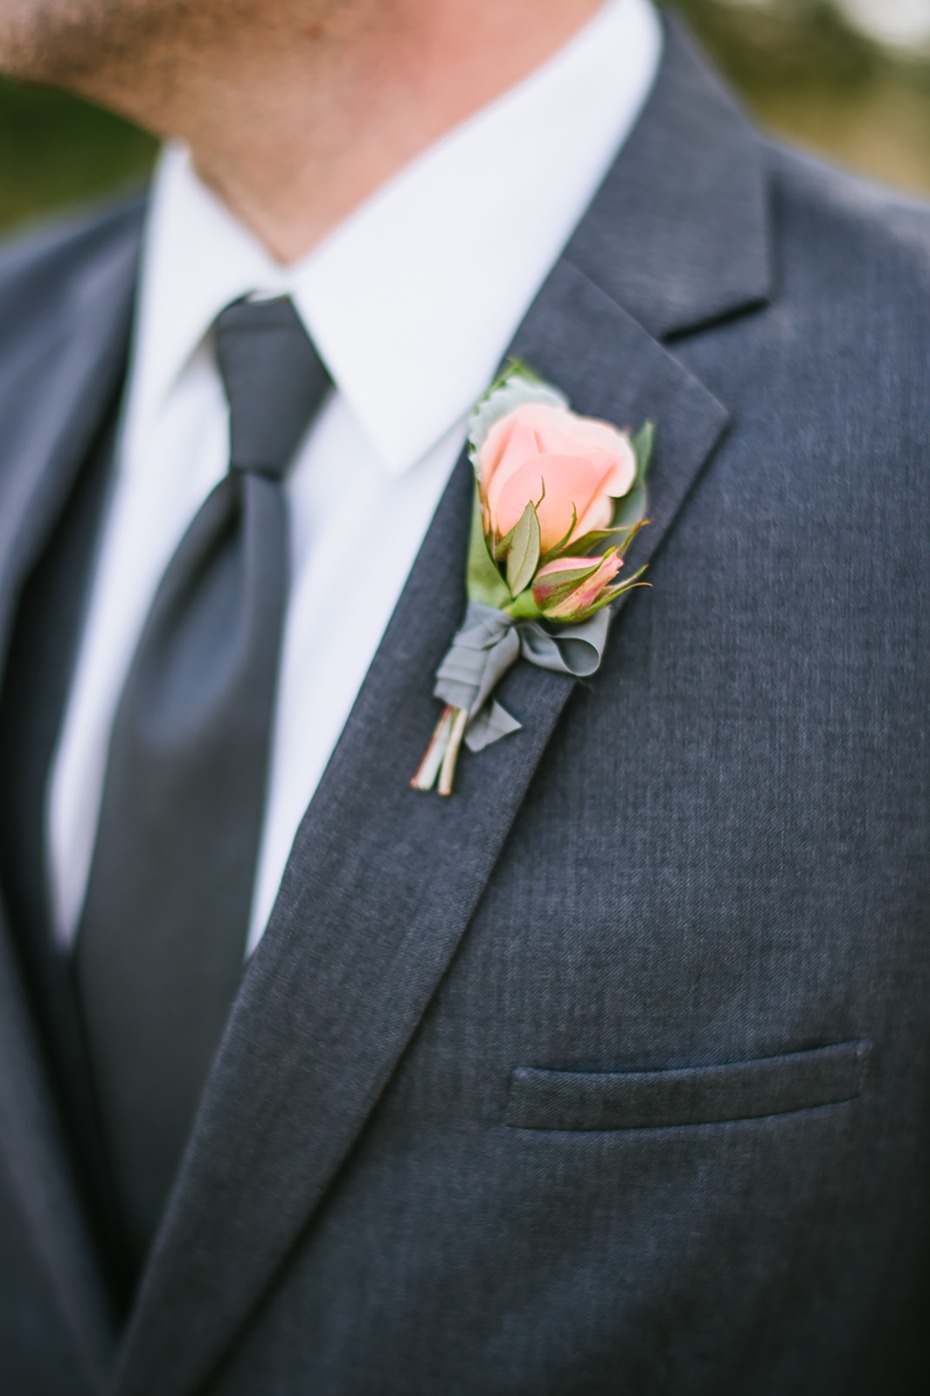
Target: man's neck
(296, 123)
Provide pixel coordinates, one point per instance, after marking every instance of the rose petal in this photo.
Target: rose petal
(584, 462)
(563, 483)
(564, 564)
(565, 433)
(510, 442)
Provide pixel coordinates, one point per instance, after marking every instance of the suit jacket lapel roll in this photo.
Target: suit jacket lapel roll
(54, 392)
(383, 881)
(56, 385)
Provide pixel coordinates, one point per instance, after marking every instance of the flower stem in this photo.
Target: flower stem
(523, 607)
(447, 773)
(428, 768)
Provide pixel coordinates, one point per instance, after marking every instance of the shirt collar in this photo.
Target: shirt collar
(414, 298)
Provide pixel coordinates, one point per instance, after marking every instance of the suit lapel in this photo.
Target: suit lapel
(56, 384)
(54, 394)
(383, 881)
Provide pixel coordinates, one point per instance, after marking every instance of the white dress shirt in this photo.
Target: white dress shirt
(411, 302)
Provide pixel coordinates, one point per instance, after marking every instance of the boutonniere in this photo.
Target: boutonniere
(558, 500)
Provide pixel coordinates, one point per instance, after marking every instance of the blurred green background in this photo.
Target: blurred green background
(850, 78)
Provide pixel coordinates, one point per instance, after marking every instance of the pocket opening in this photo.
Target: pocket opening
(543, 1099)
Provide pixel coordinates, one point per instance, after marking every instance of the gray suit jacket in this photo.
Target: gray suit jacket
(610, 1074)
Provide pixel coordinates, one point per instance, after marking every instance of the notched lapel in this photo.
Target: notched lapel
(576, 334)
(380, 887)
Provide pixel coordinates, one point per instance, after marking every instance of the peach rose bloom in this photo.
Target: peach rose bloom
(581, 462)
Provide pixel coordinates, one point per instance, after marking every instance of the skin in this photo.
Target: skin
(295, 110)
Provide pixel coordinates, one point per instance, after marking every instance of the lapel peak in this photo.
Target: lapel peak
(678, 233)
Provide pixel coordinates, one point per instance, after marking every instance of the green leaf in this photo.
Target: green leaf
(581, 547)
(502, 548)
(483, 581)
(643, 444)
(631, 509)
(512, 368)
(523, 558)
(631, 533)
(517, 368)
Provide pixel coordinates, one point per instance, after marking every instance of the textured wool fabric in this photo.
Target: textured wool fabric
(612, 1072)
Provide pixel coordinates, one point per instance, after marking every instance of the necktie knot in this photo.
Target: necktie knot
(273, 378)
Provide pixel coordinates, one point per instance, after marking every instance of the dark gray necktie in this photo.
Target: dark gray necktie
(163, 932)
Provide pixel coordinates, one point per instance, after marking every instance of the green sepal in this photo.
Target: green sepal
(523, 556)
(582, 546)
(512, 368)
(483, 581)
(630, 511)
(631, 532)
(611, 594)
(516, 368)
(631, 508)
(643, 444)
(501, 549)
(568, 581)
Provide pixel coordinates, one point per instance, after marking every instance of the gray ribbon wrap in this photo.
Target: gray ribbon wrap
(485, 647)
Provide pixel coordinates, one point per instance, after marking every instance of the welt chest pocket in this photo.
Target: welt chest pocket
(582, 1100)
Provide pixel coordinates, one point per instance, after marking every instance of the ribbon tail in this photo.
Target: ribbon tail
(489, 725)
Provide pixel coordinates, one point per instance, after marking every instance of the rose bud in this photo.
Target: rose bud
(567, 588)
(568, 466)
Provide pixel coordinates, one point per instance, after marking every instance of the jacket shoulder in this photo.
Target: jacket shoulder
(41, 269)
(851, 281)
(854, 235)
